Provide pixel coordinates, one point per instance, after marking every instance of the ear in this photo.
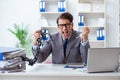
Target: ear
(72, 24)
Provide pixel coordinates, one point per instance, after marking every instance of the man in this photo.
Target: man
(76, 44)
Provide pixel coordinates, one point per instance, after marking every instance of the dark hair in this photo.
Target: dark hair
(65, 15)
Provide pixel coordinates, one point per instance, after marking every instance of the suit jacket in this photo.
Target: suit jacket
(75, 52)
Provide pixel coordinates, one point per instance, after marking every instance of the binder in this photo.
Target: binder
(100, 34)
(12, 59)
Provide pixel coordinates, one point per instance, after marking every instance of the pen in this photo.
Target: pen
(68, 66)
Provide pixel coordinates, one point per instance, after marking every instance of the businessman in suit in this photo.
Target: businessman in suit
(76, 43)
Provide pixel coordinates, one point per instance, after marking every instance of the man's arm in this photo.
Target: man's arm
(41, 52)
(37, 53)
(84, 51)
(84, 44)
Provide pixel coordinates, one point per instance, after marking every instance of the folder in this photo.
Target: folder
(12, 59)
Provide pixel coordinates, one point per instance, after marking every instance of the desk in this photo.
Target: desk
(57, 72)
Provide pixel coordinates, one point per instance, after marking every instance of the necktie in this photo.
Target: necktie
(65, 46)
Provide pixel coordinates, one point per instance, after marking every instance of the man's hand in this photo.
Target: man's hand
(85, 32)
(36, 35)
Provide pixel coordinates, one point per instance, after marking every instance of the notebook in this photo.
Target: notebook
(103, 59)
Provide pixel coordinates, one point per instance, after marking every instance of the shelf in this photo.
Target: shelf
(91, 27)
(95, 5)
(92, 10)
(50, 13)
(98, 44)
(49, 27)
(93, 19)
(52, 0)
(96, 41)
(92, 15)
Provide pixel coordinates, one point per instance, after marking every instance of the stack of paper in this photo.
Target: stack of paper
(12, 59)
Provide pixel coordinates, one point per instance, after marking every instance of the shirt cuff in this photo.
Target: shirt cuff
(84, 43)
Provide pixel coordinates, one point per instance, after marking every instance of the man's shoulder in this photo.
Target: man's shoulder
(54, 35)
(75, 32)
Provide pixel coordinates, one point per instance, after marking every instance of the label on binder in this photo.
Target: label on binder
(98, 34)
(1, 56)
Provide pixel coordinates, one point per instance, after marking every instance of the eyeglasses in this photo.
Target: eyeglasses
(67, 25)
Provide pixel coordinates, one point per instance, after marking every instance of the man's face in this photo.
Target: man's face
(65, 27)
